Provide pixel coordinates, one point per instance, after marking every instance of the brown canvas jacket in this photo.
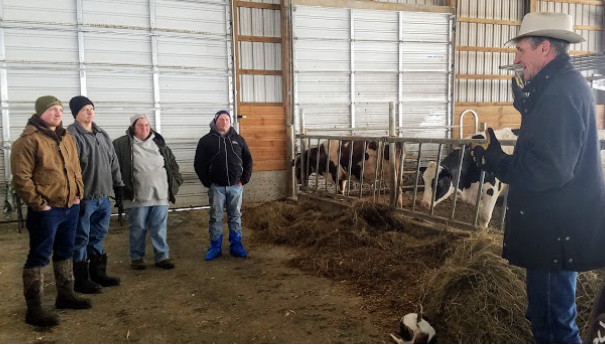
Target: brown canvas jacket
(45, 167)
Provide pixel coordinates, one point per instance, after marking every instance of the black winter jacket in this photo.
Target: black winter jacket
(223, 160)
(556, 201)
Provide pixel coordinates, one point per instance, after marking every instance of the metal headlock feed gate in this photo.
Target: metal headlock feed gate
(375, 189)
(315, 183)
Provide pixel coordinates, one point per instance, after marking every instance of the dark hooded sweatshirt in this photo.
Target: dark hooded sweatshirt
(223, 160)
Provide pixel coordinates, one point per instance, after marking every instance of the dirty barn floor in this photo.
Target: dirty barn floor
(228, 300)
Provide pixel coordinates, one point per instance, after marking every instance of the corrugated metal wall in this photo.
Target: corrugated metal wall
(417, 2)
(322, 65)
(483, 28)
(350, 63)
(260, 22)
(168, 59)
(32, 63)
(484, 35)
(583, 15)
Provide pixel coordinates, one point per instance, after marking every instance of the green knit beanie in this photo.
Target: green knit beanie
(46, 102)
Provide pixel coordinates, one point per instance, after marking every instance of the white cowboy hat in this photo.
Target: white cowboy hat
(547, 24)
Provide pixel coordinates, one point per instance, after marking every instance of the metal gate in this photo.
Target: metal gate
(393, 166)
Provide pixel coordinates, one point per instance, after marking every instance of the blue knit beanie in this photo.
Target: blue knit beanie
(221, 112)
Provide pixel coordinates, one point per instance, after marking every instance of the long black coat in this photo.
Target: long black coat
(556, 202)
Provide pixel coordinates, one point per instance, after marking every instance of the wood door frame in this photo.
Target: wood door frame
(256, 110)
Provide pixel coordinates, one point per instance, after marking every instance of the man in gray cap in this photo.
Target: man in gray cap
(556, 201)
(151, 181)
(101, 174)
(47, 177)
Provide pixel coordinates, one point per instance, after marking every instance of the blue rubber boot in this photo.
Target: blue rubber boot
(215, 249)
(236, 248)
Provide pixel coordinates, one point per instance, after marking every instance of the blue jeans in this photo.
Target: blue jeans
(231, 198)
(154, 217)
(551, 306)
(92, 229)
(51, 232)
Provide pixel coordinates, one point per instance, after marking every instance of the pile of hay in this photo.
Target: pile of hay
(479, 298)
(476, 296)
(470, 293)
(587, 289)
(352, 241)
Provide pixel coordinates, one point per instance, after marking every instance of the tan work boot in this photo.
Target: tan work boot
(64, 278)
(33, 288)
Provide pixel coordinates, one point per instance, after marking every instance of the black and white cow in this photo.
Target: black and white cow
(469, 179)
(330, 173)
(415, 329)
(329, 169)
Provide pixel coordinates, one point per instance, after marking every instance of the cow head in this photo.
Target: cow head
(313, 159)
(298, 164)
(415, 329)
(445, 186)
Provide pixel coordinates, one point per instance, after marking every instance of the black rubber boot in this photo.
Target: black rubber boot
(83, 282)
(98, 271)
(64, 279)
(33, 288)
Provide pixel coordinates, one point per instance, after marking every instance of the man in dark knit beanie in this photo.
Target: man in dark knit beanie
(101, 174)
(77, 103)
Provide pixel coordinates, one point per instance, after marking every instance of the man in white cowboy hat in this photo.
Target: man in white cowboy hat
(556, 201)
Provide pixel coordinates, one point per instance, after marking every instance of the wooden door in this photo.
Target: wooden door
(264, 128)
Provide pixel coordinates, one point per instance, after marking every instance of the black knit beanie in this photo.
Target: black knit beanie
(77, 103)
(221, 112)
